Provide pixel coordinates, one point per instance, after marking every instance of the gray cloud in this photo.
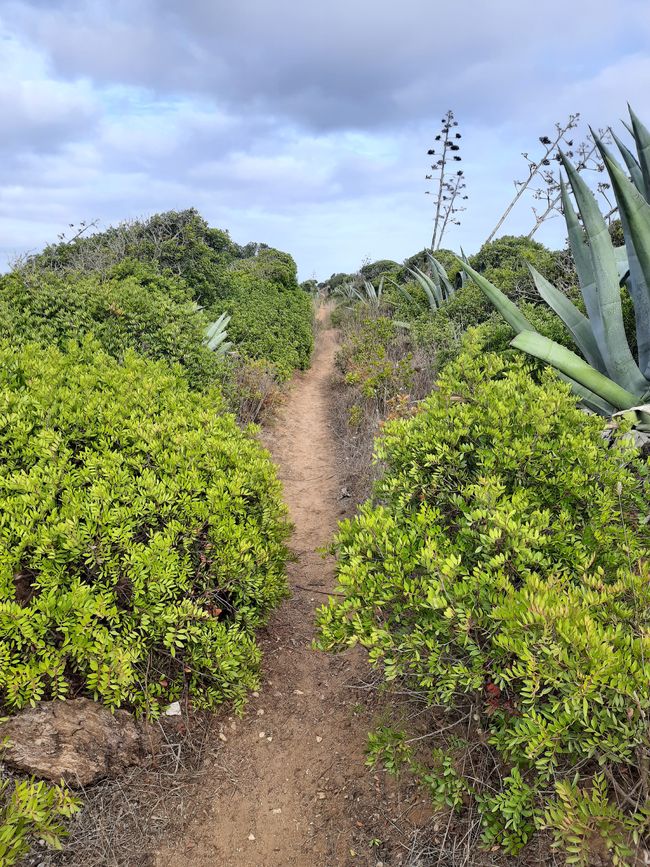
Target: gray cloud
(341, 65)
(302, 125)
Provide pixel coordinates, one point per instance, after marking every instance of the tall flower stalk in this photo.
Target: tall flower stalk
(448, 179)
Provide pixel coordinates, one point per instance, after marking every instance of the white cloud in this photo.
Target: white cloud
(303, 125)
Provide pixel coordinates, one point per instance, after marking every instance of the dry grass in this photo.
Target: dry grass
(123, 819)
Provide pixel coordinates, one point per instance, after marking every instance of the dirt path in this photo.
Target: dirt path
(289, 786)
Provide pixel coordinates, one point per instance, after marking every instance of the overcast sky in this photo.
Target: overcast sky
(302, 124)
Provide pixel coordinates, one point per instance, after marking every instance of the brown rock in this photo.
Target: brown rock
(78, 740)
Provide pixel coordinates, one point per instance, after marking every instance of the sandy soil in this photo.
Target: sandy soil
(289, 787)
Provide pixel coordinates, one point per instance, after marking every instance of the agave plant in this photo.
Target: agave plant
(609, 378)
(437, 286)
(216, 335)
(370, 295)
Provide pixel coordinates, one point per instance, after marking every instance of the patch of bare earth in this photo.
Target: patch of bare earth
(289, 787)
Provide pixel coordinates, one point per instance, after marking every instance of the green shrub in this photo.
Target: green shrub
(31, 811)
(440, 333)
(373, 271)
(504, 260)
(142, 534)
(501, 571)
(271, 317)
(374, 359)
(177, 242)
(133, 307)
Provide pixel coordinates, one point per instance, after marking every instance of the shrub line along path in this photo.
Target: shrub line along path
(288, 784)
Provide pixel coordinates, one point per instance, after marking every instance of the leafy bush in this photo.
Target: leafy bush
(31, 811)
(374, 358)
(142, 534)
(501, 570)
(271, 317)
(132, 307)
(503, 262)
(381, 268)
(180, 242)
(133, 286)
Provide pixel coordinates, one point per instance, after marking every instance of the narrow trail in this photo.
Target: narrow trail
(288, 785)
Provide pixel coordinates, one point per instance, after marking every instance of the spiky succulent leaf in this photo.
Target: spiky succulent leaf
(429, 287)
(642, 140)
(588, 398)
(632, 164)
(216, 335)
(575, 368)
(578, 243)
(448, 289)
(370, 291)
(602, 296)
(507, 308)
(634, 212)
(575, 321)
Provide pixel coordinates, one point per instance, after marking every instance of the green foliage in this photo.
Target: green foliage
(132, 307)
(583, 821)
(31, 811)
(504, 262)
(141, 534)
(387, 747)
(133, 285)
(386, 268)
(497, 334)
(503, 565)
(440, 334)
(176, 241)
(508, 817)
(612, 374)
(271, 317)
(371, 360)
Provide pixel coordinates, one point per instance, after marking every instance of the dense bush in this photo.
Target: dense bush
(180, 242)
(131, 307)
(504, 262)
(375, 358)
(501, 571)
(271, 317)
(141, 534)
(373, 271)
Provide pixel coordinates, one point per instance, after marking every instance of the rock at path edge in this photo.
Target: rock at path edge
(77, 740)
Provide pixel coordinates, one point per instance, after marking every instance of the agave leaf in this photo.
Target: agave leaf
(434, 279)
(642, 413)
(642, 140)
(370, 291)
(634, 211)
(602, 297)
(578, 244)
(428, 286)
(623, 264)
(575, 321)
(632, 164)
(575, 368)
(595, 403)
(507, 308)
(216, 327)
(218, 340)
(442, 275)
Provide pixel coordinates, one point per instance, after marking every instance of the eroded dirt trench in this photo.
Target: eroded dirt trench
(289, 785)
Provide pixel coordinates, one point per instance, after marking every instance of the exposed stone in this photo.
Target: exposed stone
(78, 740)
